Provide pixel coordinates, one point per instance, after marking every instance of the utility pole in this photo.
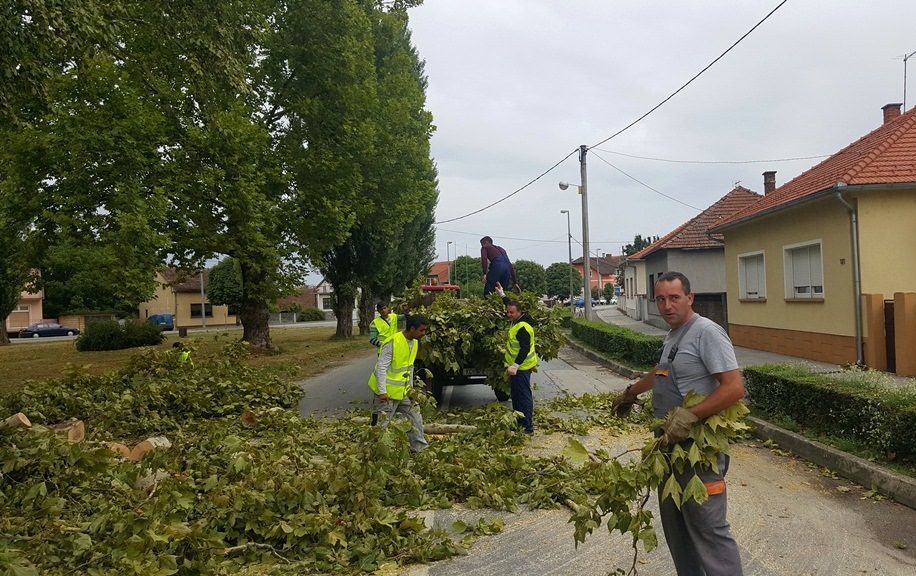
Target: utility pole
(572, 303)
(203, 302)
(905, 58)
(586, 257)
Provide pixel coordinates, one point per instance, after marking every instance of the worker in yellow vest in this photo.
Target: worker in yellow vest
(383, 326)
(392, 378)
(520, 359)
(184, 355)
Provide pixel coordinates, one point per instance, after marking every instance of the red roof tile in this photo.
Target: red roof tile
(440, 270)
(886, 155)
(692, 234)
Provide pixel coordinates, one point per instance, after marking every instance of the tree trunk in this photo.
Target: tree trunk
(4, 337)
(344, 300)
(366, 313)
(253, 310)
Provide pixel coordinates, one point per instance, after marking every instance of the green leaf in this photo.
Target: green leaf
(575, 452)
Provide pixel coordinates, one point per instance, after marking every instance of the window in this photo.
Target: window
(326, 303)
(23, 308)
(195, 310)
(804, 271)
(651, 287)
(752, 279)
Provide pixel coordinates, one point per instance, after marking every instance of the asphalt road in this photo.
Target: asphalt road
(789, 517)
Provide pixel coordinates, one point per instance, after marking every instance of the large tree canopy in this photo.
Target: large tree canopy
(531, 276)
(558, 280)
(271, 132)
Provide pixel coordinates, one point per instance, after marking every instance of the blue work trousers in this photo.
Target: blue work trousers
(522, 400)
(500, 271)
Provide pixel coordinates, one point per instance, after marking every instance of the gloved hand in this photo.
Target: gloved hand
(677, 427)
(512, 370)
(622, 405)
(499, 289)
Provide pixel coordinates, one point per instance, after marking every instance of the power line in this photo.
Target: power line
(530, 239)
(713, 161)
(506, 197)
(697, 75)
(641, 183)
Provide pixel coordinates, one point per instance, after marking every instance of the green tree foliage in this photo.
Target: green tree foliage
(468, 274)
(608, 292)
(638, 244)
(531, 276)
(224, 286)
(557, 277)
(79, 276)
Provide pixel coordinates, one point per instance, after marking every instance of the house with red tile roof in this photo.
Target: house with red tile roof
(810, 264)
(602, 271)
(179, 293)
(439, 273)
(692, 250)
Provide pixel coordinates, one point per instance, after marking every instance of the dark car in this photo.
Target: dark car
(47, 329)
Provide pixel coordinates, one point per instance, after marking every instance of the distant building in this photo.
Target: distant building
(179, 293)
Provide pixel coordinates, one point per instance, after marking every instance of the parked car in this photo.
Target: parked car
(580, 302)
(164, 321)
(47, 329)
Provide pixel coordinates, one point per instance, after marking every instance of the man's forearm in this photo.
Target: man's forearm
(730, 390)
(644, 384)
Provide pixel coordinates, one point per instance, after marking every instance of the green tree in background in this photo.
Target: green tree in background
(224, 284)
(608, 292)
(557, 277)
(638, 244)
(467, 273)
(531, 276)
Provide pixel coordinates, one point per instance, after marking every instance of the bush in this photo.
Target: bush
(854, 405)
(309, 315)
(566, 317)
(113, 336)
(620, 343)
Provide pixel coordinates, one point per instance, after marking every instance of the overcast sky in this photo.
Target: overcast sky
(515, 85)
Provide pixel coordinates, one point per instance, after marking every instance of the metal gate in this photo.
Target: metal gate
(889, 335)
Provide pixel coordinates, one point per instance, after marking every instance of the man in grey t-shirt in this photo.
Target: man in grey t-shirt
(698, 356)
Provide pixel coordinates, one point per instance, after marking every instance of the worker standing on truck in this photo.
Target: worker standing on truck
(392, 378)
(497, 269)
(698, 356)
(520, 359)
(383, 326)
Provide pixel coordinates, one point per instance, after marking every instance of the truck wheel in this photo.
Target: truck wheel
(500, 395)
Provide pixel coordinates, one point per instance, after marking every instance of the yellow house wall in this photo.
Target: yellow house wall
(887, 239)
(825, 220)
(165, 301)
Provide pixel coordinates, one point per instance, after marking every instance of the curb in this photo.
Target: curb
(603, 360)
(899, 487)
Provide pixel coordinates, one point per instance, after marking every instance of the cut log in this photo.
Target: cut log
(120, 449)
(74, 430)
(147, 446)
(448, 428)
(429, 428)
(17, 420)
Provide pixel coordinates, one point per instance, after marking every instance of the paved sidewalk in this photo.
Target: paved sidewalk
(745, 356)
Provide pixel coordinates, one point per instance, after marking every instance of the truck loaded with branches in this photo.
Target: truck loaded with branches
(466, 339)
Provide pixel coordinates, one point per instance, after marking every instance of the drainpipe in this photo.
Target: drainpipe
(856, 274)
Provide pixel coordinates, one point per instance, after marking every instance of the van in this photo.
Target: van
(164, 321)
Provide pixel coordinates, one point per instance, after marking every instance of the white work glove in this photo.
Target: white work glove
(499, 290)
(512, 370)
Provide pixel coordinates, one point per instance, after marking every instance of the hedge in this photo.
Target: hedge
(309, 315)
(855, 405)
(113, 336)
(620, 343)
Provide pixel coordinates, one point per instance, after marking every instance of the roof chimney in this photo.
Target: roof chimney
(891, 111)
(769, 181)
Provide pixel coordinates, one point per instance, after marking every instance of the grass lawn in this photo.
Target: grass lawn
(302, 352)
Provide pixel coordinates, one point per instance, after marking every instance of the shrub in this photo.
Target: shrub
(853, 405)
(309, 315)
(112, 335)
(620, 343)
(566, 317)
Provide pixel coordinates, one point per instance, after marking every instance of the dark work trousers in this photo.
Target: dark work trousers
(522, 400)
(500, 271)
(698, 535)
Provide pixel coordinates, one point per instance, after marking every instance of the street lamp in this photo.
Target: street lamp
(572, 304)
(448, 262)
(583, 190)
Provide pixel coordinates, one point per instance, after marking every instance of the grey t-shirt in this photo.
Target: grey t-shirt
(705, 350)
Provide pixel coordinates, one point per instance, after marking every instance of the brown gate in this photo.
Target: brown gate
(889, 335)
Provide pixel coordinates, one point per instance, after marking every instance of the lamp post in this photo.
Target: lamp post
(586, 261)
(572, 303)
(449, 261)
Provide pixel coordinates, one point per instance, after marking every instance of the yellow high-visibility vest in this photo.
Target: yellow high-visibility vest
(513, 347)
(398, 373)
